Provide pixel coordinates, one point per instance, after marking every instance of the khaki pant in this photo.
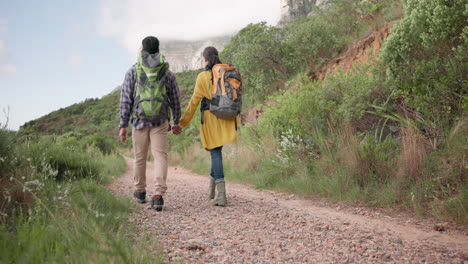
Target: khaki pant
(157, 137)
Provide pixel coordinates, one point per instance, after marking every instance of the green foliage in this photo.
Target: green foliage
(313, 106)
(7, 151)
(312, 42)
(378, 159)
(306, 44)
(105, 144)
(47, 217)
(260, 69)
(186, 83)
(112, 166)
(64, 163)
(88, 117)
(426, 58)
(325, 138)
(191, 133)
(79, 222)
(94, 122)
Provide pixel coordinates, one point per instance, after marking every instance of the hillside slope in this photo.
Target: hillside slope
(90, 116)
(365, 49)
(101, 115)
(94, 115)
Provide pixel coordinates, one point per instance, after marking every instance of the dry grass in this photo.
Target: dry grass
(350, 156)
(412, 153)
(247, 157)
(174, 157)
(459, 128)
(196, 150)
(349, 148)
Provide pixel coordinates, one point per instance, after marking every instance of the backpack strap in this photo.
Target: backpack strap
(205, 103)
(204, 106)
(163, 71)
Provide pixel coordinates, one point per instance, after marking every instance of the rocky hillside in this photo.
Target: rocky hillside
(186, 55)
(293, 9)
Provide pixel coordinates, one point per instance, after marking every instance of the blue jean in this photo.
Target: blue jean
(217, 171)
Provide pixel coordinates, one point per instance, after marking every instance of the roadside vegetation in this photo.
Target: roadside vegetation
(389, 133)
(54, 207)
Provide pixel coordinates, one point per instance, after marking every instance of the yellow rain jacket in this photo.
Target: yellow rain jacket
(214, 132)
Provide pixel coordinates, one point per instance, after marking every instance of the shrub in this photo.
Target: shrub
(426, 58)
(78, 222)
(312, 41)
(105, 144)
(7, 149)
(315, 107)
(260, 70)
(63, 163)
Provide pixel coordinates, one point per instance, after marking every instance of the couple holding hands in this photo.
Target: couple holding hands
(149, 90)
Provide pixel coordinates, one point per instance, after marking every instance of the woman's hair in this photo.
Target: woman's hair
(211, 55)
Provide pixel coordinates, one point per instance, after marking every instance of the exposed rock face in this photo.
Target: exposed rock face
(186, 55)
(293, 9)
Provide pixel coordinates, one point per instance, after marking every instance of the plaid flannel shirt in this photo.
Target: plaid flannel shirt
(127, 100)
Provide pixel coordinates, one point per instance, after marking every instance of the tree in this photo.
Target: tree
(425, 56)
(256, 51)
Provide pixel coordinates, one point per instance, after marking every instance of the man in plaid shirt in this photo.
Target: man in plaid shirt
(146, 131)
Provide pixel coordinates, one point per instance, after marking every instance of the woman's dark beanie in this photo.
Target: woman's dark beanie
(150, 44)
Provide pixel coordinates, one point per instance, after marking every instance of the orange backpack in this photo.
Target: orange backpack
(226, 96)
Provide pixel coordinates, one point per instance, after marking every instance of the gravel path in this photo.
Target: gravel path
(267, 227)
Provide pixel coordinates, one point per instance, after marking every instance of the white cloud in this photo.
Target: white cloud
(130, 21)
(5, 66)
(75, 60)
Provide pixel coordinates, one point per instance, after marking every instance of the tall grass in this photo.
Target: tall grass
(79, 222)
(54, 208)
(393, 172)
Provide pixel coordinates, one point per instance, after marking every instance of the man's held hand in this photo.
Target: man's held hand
(123, 134)
(176, 129)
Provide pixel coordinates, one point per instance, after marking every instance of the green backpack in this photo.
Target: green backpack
(151, 102)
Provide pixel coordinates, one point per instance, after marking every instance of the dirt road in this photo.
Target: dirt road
(266, 227)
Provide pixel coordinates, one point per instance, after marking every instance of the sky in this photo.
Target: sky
(57, 53)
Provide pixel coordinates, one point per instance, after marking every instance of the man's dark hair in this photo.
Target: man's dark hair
(211, 55)
(150, 44)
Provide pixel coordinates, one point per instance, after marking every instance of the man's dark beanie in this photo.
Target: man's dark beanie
(150, 44)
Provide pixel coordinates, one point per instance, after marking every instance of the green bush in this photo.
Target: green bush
(313, 107)
(260, 70)
(77, 222)
(105, 144)
(314, 40)
(112, 166)
(63, 163)
(7, 152)
(44, 218)
(426, 57)
(311, 42)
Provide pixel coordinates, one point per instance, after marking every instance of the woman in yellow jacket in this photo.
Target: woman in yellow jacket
(214, 132)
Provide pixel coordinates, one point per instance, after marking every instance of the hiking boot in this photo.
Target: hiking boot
(157, 203)
(211, 189)
(220, 199)
(139, 197)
